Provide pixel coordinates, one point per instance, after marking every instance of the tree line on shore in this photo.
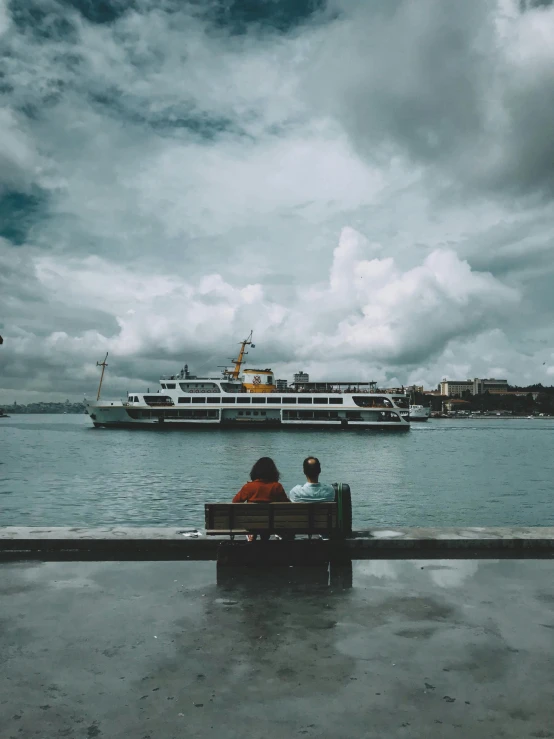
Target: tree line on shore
(43, 407)
(525, 401)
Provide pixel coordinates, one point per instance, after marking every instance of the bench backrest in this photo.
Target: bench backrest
(252, 518)
(293, 518)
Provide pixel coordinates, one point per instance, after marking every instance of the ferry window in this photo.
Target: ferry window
(262, 413)
(243, 399)
(256, 413)
(199, 400)
(248, 413)
(170, 386)
(274, 400)
(130, 399)
(354, 415)
(269, 381)
(184, 400)
(212, 400)
(401, 401)
(228, 387)
(158, 400)
(336, 401)
(258, 400)
(306, 414)
(289, 400)
(241, 413)
(322, 400)
(364, 402)
(227, 400)
(306, 400)
(161, 383)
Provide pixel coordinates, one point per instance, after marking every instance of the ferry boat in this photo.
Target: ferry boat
(419, 413)
(250, 398)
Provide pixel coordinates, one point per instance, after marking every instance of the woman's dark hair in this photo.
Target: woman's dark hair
(265, 469)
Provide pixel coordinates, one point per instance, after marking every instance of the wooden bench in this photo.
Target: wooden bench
(332, 519)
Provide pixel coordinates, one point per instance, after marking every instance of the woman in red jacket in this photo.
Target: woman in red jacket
(263, 488)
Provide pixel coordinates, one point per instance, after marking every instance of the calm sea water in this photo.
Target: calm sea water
(60, 471)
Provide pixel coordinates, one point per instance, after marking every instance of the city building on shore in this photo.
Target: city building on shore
(477, 386)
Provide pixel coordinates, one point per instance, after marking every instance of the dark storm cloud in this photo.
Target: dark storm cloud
(19, 211)
(530, 4)
(27, 304)
(51, 18)
(448, 86)
(240, 16)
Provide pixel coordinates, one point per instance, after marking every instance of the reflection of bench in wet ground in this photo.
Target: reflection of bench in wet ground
(301, 552)
(322, 576)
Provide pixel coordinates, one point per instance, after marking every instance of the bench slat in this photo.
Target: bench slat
(277, 518)
(301, 518)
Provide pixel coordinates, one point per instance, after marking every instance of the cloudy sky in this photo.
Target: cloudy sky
(367, 185)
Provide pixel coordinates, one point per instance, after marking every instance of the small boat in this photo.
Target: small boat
(419, 413)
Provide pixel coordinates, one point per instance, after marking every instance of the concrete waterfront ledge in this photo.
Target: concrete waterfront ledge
(150, 543)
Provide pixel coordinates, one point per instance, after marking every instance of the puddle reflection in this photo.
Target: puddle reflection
(260, 580)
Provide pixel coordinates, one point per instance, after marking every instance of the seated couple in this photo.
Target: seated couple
(266, 488)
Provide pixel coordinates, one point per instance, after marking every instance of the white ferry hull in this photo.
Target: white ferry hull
(116, 414)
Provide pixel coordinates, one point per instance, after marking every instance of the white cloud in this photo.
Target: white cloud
(20, 162)
(368, 313)
(395, 315)
(4, 17)
(192, 184)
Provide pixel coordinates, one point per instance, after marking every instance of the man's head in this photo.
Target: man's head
(312, 468)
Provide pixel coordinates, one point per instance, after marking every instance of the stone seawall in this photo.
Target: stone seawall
(148, 543)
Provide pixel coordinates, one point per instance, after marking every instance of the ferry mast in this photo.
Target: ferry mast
(103, 364)
(234, 374)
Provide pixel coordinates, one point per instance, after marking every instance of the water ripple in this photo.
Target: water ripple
(58, 470)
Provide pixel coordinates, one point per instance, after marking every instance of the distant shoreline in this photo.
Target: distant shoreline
(43, 413)
(487, 418)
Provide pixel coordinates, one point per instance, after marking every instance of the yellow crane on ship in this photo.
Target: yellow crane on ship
(235, 372)
(254, 380)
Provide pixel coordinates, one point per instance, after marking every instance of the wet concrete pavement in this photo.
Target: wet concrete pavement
(155, 650)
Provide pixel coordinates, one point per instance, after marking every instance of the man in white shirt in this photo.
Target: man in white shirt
(312, 491)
